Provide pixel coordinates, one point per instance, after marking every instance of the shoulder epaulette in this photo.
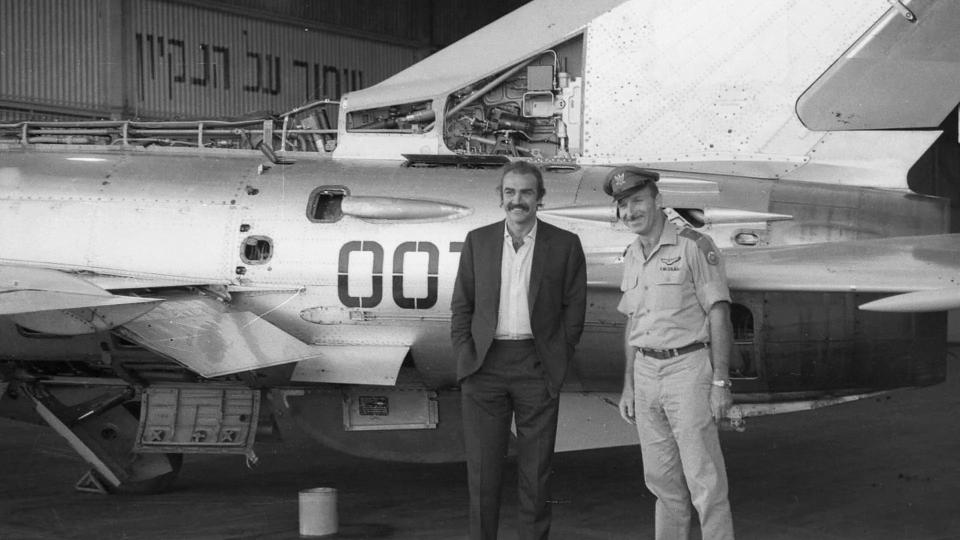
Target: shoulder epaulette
(704, 243)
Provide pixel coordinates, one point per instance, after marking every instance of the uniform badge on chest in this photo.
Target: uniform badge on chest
(669, 265)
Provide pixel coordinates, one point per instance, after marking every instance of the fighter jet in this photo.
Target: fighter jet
(175, 288)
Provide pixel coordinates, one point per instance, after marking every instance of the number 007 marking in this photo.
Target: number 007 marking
(402, 301)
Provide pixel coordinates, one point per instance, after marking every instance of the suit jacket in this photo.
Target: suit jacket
(557, 296)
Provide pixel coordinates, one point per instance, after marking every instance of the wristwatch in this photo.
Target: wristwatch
(723, 384)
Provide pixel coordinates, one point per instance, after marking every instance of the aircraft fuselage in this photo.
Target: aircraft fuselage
(365, 253)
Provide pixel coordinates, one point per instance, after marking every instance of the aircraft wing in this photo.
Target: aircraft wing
(200, 332)
(924, 269)
(923, 272)
(212, 339)
(59, 303)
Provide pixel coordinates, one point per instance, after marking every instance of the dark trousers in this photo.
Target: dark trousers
(510, 384)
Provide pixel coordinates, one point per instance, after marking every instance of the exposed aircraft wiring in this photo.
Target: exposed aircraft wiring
(489, 86)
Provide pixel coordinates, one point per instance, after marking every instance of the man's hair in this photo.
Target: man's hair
(522, 168)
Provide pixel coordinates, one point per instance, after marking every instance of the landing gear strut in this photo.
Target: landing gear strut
(102, 430)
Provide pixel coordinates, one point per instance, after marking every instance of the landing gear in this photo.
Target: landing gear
(102, 430)
(142, 466)
(134, 438)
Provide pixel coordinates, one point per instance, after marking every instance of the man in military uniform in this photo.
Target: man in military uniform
(678, 342)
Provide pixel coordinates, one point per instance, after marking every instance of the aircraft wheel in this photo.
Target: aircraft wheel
(142, 484)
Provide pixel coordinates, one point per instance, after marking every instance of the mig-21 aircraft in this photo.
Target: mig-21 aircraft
(183, 287)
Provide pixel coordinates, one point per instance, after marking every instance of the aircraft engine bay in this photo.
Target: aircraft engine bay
(531, 109)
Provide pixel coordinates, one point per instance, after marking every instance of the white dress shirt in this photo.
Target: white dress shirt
(513, 317)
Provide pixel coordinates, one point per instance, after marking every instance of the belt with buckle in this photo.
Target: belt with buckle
(663, 354)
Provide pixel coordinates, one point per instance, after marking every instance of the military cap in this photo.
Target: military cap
(624, 181)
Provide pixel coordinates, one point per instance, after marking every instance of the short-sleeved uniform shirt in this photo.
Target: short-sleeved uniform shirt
(668, 293)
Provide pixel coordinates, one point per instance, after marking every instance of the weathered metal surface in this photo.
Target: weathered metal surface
(192, 235)
(913, 60)
(190, 61)
(693, 99)
(198, 419)
(390, 281)
(384, 409)
(56, 53)
(160, 59)
(61, 313)
(700, 94)
(532, 28)
(821, 340)
(351, 364)
(57, 303)
(880, 265)
(212, 340)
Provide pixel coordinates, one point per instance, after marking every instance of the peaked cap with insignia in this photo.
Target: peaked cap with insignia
(624, 181)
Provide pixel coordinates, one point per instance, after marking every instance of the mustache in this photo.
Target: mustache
(521, 206)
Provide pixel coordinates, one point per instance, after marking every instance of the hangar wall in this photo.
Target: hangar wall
(437, 22)
(163, 59)
(182, 60)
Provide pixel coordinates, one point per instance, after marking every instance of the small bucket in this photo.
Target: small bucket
(318, 512)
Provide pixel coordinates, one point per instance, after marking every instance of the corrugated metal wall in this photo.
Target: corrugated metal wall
(189, 61)
(55, 52)
(191, 58)
(161, 59)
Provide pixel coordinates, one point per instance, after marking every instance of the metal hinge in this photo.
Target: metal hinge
(904, 10)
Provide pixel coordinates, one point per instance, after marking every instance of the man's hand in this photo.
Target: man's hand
(627, 405)
(720, 401)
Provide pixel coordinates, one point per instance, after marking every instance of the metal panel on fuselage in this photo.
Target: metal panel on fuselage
(697, 80)
(360, 281)
(821, 342)
(837, 213)
(149, 214)
(372, 281)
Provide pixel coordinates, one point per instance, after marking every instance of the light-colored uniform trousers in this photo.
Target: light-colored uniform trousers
(682, 461)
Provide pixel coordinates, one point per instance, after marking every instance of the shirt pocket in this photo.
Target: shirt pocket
(630, 298)
(668, 290)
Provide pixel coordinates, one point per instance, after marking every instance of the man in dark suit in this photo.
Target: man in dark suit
(518, 308)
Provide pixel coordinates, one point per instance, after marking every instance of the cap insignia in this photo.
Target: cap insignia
(618, 180)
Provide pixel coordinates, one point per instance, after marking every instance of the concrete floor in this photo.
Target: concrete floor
(884, 468)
